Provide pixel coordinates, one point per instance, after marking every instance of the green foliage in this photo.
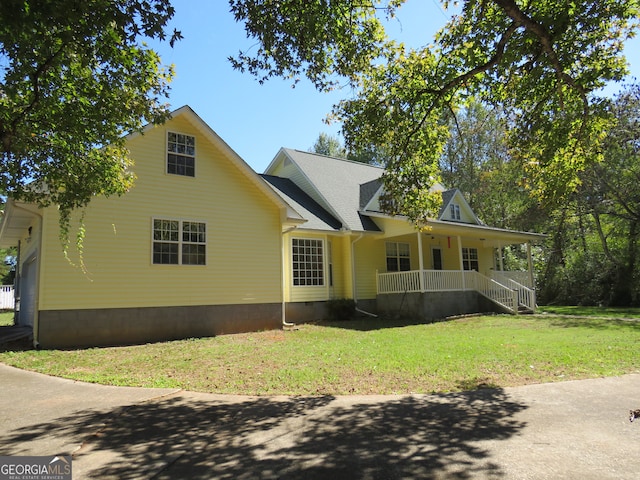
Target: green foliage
(314, 38)
(341, 309)
(76, 76)
(537, 61)
(594, 254)
(329, 145)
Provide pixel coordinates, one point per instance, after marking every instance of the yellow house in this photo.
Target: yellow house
(348, 248)
(194, 249)
(203, 245)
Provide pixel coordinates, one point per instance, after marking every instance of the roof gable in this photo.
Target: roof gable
(455, 208)
(210, 135)
(333, 183)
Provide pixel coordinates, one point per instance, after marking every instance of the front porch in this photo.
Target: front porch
(503, 290)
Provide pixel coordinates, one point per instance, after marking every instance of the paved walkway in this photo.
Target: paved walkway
(569, 430)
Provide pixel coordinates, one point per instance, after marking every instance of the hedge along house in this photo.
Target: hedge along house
(194, 249)
(348, 248)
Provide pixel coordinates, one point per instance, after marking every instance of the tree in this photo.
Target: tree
(75, 77)
(595, 248)
(332, 146)
(538, 61)
(476, 159)
(329, 145)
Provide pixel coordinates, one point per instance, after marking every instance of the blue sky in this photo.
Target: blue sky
(256, 120)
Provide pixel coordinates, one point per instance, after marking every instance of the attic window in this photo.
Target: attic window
(181, 154)
(454, 210)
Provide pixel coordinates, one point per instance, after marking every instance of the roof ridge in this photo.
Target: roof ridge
(346, 160)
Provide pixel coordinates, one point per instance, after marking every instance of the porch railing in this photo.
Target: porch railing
(449, 280)
(521, 283)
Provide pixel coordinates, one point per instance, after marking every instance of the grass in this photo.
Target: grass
(6, 318)
(362, 357)
(608, 312)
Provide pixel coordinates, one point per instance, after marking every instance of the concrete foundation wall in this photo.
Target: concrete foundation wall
(304, 312)
(435, 305)
(125, 326)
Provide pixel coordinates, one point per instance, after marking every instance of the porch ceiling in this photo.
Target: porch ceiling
(489, 236)
(16, 220)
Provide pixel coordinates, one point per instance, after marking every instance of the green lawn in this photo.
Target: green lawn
(363, 357)
(6, 318)
(610, 312)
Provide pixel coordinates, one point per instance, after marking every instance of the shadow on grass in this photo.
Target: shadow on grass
(301, 437)
(367, 324)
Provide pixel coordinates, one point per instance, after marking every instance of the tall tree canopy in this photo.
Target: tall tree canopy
(329, 145)
(74, 77)
(539, 61)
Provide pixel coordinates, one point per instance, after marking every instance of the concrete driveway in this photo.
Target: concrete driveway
(569, 430)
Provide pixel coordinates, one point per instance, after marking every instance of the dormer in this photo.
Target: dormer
(456, 209)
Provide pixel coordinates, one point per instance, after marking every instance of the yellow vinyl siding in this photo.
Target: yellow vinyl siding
(337, 247)
(369, 258)
(242, 248)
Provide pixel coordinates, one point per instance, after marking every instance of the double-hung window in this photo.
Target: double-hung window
(470, 259)
(398, 257)
(307, 255)
(181, 154)
(454, 210)
(178, 242)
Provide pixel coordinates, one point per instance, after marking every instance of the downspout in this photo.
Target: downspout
(283, 274)
(353, 278)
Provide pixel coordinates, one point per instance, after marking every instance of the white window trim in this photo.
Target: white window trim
(324, 263)
(167, 152)
(398, 256)
(454, 211)
(466, 259)
(180, 242)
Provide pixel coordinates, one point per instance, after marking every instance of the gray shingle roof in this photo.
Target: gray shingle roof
(447, 195)
(317, 217)
(338, 181)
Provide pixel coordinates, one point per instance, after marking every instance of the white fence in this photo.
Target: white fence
(7, 298)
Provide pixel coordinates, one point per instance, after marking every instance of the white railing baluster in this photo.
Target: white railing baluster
(7, 297)
(509, 296)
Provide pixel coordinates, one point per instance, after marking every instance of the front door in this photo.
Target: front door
(436, 256)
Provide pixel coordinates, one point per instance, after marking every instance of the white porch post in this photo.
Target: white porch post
(500, 254)
(461, 261)
(530, 262)
(421, 259)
